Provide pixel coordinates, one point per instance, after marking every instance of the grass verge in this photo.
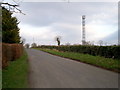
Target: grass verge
(106, 63)
(15, 75)
(0, 79)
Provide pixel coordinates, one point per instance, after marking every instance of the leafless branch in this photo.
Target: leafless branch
(13, 6)
(10, 4)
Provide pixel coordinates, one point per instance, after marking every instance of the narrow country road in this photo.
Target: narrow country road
(49, 71)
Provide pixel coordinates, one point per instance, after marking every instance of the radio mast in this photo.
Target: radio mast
(83, 30)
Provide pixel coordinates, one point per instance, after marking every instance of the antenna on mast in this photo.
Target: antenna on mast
(83, 30)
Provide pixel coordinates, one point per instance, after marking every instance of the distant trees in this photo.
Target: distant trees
(68, 44)
(10, 30)
(27, 45)
(22, 40)
(33, 45)
(100, 42)
(89, 43)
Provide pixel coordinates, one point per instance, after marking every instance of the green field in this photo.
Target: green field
(16, 74)
(107, 63)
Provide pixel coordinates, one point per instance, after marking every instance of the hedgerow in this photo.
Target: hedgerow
(105, 51)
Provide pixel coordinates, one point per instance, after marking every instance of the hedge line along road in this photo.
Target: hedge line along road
(49, 71)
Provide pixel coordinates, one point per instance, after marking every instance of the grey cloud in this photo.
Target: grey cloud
(112, 38)
(68, 33)
(48, 14)
(44, 14)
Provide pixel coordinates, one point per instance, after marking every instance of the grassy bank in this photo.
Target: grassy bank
(15, 75)
(107, 63)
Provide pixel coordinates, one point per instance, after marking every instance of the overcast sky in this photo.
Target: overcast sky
(46, 20)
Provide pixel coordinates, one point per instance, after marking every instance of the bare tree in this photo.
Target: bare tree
(90, 43)
(100, 42)
(87, 43)
(33, 45)
(58, 40)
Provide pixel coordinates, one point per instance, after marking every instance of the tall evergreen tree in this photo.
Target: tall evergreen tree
(0, 24)
(10, 30)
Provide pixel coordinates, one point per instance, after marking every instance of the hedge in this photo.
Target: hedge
(10, 52)
(105, 51)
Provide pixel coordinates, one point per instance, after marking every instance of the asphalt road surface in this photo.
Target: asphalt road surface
(49, 71)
